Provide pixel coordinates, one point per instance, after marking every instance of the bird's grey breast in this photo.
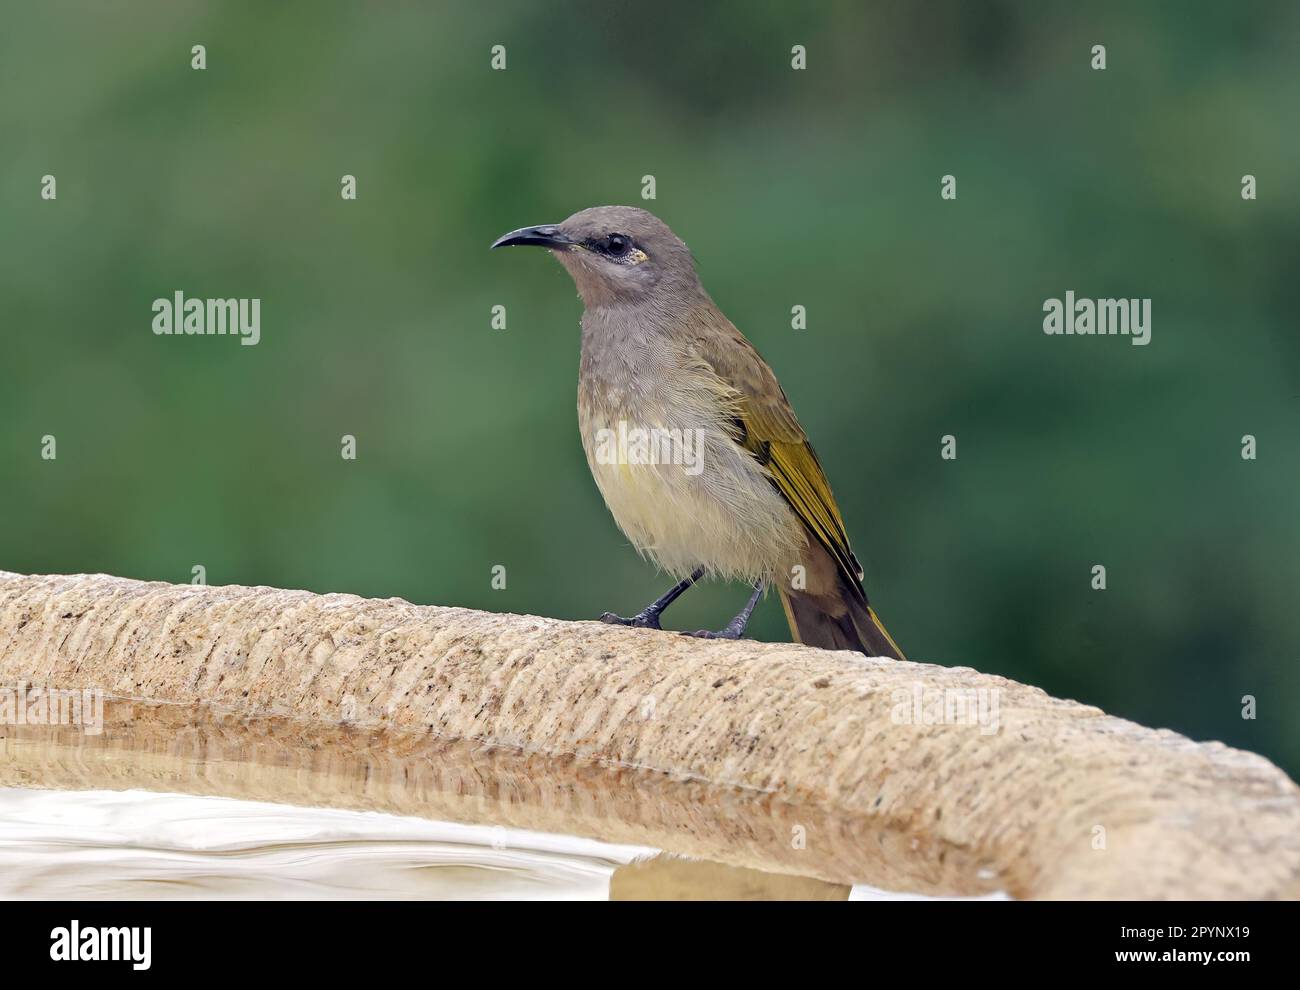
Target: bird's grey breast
(628, 370)
(658, 431)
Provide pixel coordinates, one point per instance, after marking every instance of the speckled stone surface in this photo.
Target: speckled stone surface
(772, 757)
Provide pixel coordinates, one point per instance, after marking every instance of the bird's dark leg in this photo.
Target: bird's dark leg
(736, 627)
(648, 617)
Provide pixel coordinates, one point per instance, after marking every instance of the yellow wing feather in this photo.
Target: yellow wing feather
(768, 428)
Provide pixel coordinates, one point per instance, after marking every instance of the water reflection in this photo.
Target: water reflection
(281, 807)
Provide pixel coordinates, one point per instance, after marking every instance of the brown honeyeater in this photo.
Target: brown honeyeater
(718, 477)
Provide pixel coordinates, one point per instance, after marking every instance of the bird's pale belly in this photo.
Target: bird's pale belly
(690, 497)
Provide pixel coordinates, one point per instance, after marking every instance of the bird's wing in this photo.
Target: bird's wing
(767, 427)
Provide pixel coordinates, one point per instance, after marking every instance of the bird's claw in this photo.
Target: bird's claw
(642, 620)
(709, 634)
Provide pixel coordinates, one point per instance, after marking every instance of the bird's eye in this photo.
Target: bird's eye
(616, 245)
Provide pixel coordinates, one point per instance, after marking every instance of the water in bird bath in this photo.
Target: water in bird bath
(164, 804)
(79, 845)
(64, 834)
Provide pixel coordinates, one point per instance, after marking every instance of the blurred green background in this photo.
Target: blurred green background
(818, 188)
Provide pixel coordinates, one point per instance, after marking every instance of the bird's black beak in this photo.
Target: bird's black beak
(547, 235)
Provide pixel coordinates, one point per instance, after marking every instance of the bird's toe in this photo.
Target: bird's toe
(642, 620)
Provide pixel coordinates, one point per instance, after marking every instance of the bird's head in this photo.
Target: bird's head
(616, 254)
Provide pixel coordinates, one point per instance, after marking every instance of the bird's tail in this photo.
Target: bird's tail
(842, 622)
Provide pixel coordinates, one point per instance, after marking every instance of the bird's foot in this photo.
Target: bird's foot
(648, 617)
(736, 627)
(728, 633)
(642, 620)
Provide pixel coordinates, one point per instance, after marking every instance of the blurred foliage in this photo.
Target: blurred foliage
(818, 187)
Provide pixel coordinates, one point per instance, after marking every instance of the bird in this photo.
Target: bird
(693, 443)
